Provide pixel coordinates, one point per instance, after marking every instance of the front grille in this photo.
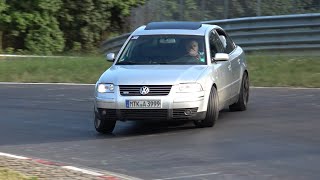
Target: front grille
(179, 113)
(155, 90)
(141, 114)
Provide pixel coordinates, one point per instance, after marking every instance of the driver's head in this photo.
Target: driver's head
(192, 48)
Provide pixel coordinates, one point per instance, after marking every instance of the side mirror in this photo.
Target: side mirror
(221, 57)
(110, 57)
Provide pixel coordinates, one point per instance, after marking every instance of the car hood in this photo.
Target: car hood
(152, 74)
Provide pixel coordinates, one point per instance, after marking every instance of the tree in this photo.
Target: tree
(280, 7)
(86, 23)
(31, 25)
(3, 20)
(203, 10)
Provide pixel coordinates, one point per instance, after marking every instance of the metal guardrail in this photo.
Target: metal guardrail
(287, 32)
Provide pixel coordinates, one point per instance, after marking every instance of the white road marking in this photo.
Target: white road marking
(108, 173)
(190, 176)
(13, 156)
(82, 170)
(85, 171)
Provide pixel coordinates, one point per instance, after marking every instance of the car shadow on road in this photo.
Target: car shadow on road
(81, 129)
(140, 128)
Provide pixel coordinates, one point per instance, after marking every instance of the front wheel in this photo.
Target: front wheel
(104, 125)
(212, 110)
(241, 105)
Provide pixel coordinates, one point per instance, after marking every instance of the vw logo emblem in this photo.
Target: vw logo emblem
(144, 90)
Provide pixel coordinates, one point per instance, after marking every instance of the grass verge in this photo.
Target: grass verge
(264, 70)
(76, 70)
(6, 174)
(296, 71)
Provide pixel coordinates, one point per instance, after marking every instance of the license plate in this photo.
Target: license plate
(143, 103)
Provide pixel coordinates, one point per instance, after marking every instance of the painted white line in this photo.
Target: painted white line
(85, 171)
(13, 156)
(195, 175)
(82, 170)
(122, 176)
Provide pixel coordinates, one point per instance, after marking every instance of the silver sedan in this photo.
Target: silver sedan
(172, 71)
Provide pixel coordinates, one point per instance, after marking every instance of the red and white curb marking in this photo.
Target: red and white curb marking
(108, 176)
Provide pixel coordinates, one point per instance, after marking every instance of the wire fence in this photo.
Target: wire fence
(203, 10)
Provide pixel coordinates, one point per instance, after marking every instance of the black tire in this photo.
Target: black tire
(212, 111)
(104, 125)
(241, 104)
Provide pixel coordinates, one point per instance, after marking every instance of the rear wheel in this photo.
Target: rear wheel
(241, 105)
(104, 125)
(212, 111)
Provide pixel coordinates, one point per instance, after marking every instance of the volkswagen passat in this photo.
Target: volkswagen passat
(172, 71)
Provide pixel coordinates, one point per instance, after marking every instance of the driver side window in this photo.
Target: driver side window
(215, 44)
(228, 44)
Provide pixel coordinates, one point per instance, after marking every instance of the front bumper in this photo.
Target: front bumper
(149, 114)
(174, 106)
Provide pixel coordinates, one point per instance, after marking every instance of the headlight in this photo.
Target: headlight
(190, 87)
(105, 88)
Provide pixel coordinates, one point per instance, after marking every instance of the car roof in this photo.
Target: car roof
(173, 25)
(178, 27)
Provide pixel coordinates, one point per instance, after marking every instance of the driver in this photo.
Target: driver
(193, 49)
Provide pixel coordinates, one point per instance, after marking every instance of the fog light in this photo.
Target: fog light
(187, 112)
(104, 112)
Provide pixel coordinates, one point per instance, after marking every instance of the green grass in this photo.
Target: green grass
(296, 71)
(77, 70)
(264, 70)
(6, 174)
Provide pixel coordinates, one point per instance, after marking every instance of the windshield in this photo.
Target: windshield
(164, 49)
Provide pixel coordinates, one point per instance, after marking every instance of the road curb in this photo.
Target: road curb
(105, 175)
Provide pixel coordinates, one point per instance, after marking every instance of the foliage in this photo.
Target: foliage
(201, 10)
(74, 26)
(285, 7)
(31, 25)
(53, 26)
(84, 22)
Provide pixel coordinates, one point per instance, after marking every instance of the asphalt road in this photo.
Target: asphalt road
(278, 137)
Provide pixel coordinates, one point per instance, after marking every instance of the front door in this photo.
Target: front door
(224, 69)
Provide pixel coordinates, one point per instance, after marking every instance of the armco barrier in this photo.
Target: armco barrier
(287, 32)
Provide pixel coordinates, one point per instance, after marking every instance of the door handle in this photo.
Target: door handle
(229, 67)
(239, 61)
